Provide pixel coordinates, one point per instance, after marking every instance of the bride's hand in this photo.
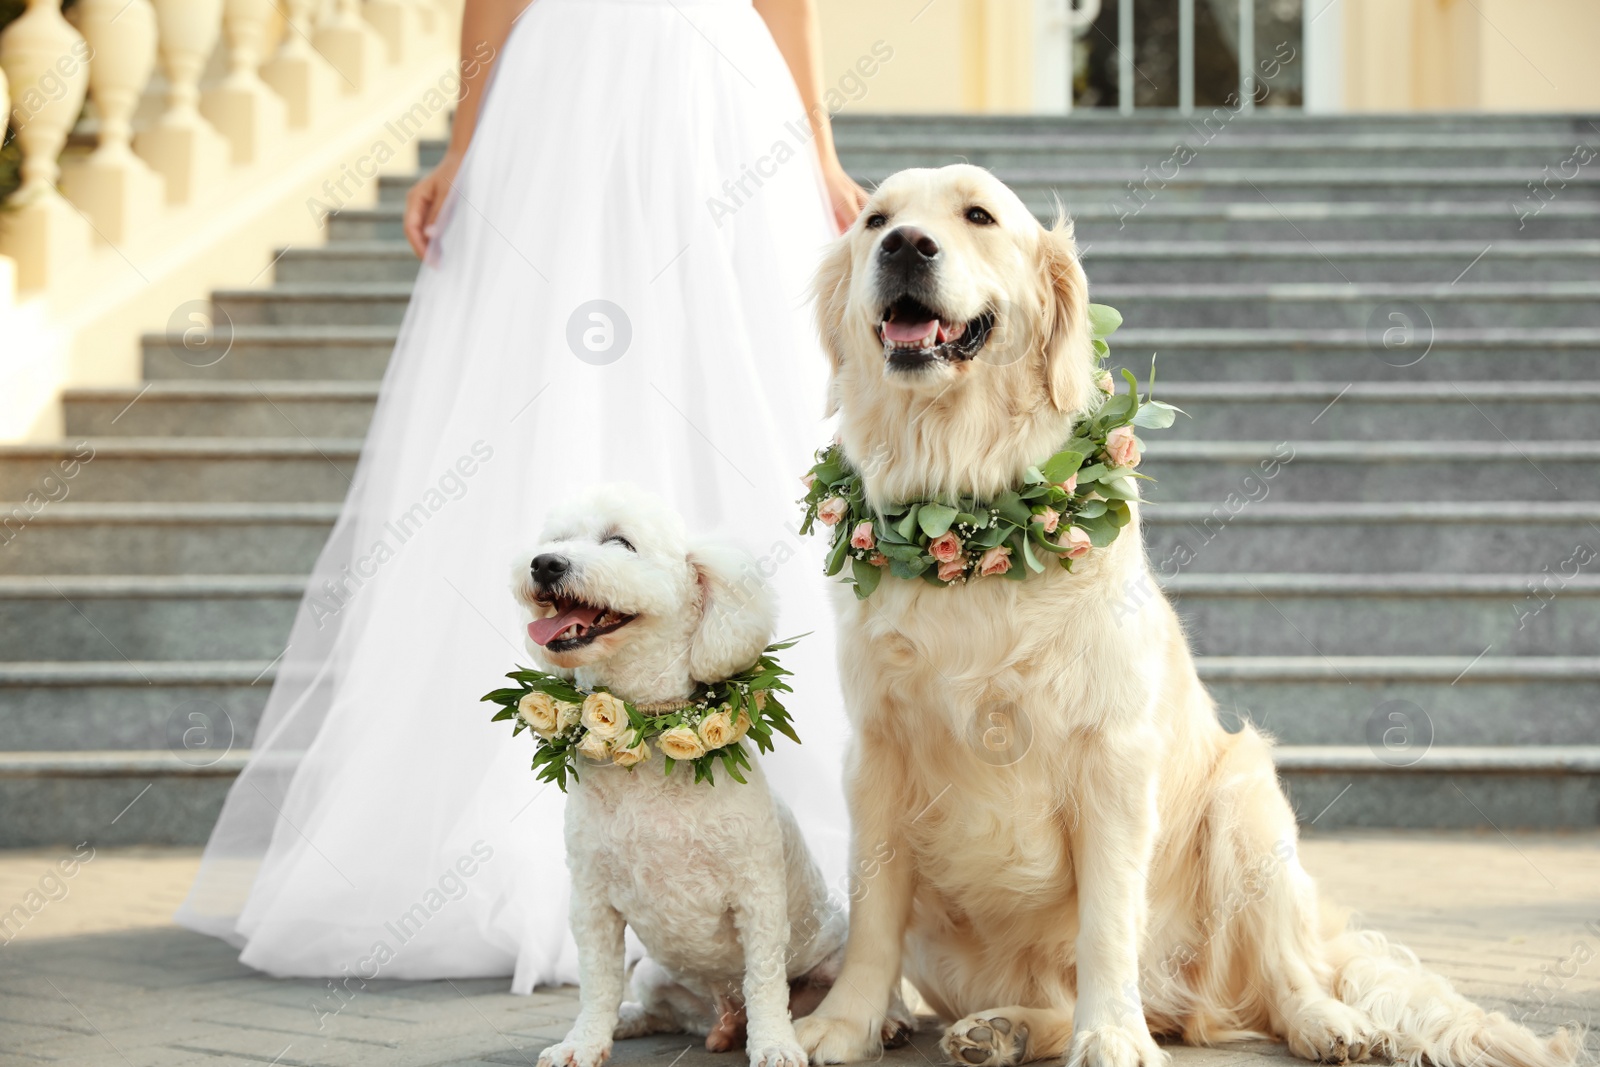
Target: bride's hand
(844, 195)
(425, 199)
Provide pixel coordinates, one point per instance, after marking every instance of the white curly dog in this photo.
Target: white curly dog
(712, 878)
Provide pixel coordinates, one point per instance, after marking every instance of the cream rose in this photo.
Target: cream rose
(808, 479)
(1076, 542)
(1049, 518)
(995, 561)
(1122, 447)
(862, 536)
(539, 711)
(832, 510)
(741, 725)
(945, 548)
(716, 729)
(604, 715)
(571, 714)
(680, 742)
(1106, 382)
(630, 757)
(596, 748)
(950, 570)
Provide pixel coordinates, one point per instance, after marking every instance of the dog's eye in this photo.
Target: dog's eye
(876, 221)
(618, 539)
(979, 217)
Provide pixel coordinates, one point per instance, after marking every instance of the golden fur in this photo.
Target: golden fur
(1077, 853)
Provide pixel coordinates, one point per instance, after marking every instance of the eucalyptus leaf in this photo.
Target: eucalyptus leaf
(935, 519)
(1104, 319)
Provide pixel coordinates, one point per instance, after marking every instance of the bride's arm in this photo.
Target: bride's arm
(485, 24)
(794, 27)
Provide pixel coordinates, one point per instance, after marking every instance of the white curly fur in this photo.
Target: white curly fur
(714, 879)
(1136, 867)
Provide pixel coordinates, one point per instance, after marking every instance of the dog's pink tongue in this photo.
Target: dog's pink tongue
(543, 631)
(894, 330)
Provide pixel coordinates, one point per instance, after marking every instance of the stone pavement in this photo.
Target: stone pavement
(99, 976)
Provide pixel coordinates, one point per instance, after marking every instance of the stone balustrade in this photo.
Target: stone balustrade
(284, 68)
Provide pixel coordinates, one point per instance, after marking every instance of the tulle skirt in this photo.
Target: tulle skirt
(617, 293)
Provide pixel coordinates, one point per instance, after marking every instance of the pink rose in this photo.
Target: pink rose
(1122, 448)
(832, 510)
(946, 547)
(878, 559)
(995, 561)
(1107, 384)
(808, 479)
(1049, 518)
(1076, 542)
(861, 536)
(950, 570)
(1069, 486)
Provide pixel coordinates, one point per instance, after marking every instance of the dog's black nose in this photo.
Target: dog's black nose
(548, 568)
(907, 245)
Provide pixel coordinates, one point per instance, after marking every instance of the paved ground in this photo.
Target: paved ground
(100, 977)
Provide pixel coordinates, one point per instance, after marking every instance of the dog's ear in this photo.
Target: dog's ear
(1065, 336)
(830, 293)
(737, 611)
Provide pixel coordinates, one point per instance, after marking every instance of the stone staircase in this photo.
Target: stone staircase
(1351, 520)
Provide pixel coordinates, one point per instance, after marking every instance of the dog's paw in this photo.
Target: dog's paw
(1329, 1031)
(827, 1039)
(575, 1054)
(634, 1021)
(986, 1041)
(1115, 1046)
(777, 1054)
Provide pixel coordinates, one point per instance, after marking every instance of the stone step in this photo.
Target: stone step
(260, 354)
(153, 538)
(1143, 262)
(1167, 122)
(1377, 470)
(139, 617)
(1401, 706)
(1435, 306)
(1376, 355)
(278, 353)
(1251, 529)
(1376, 411)
(1422, 307)
(217, 469)
(222, 409)
(1119, 262)
(221, 469)
(155, 797)
(1214, 410)
(1247, 530)
(1165, 219)
(238, 617)
(1370, 614)
(198, 710)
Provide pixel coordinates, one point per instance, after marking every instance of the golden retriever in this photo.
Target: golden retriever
(1078, 854)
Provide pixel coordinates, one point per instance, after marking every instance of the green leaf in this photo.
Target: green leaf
(1029, 558)
(1156, 415)
(1101, 349)
(1104, 319)
(841, 545)
(909, 523)
(1092, 509)
(908, 568)
(1063, 465)
(866, 576)
(935, 519)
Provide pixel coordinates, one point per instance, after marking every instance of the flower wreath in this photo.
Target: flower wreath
(1075, 501)
(593, 723)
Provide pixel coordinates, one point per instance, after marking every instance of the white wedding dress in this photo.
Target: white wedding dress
(384, 827)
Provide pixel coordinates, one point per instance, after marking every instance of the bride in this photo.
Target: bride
(593, 306)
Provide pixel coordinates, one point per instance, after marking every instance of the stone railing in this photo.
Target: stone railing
(203, 114)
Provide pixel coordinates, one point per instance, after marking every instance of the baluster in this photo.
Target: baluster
(396, 22)
(350, 45)
(46, 62)
(113, 186)
(305, 80)
(182, 146)
(242, 108)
